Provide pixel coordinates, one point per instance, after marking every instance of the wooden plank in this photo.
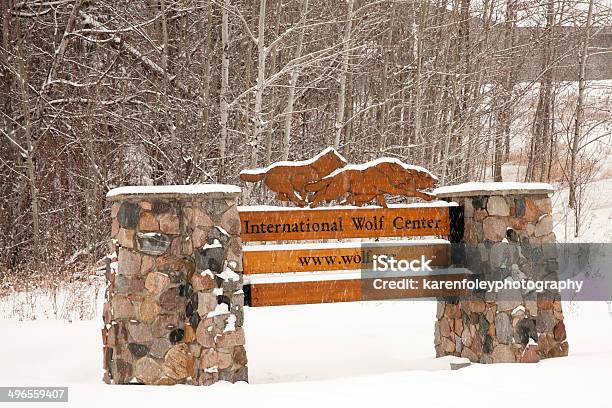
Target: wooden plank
(335, 256)
(347, 290)
(337, 223)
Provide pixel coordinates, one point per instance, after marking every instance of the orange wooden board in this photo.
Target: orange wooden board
(338, 223)
(347, 290)
(333, 257)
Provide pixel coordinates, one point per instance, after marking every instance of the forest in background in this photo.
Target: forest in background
(99, 94)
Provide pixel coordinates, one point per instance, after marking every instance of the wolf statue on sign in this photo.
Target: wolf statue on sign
(289, 179)
(364, 182)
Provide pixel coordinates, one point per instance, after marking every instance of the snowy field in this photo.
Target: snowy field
(357, 354)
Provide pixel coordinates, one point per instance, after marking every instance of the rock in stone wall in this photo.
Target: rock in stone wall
(174, 309)
(505, 237)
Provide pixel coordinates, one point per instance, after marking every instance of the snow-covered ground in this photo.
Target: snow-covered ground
(357, 354)
(351, 354)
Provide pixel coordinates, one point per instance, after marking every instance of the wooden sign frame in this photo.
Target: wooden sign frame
(261, 259)
(283, 223)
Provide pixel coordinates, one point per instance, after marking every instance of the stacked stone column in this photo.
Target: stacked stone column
(508, 234)
(174, 309)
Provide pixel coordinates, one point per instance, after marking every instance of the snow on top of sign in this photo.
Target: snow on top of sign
(505, 186)
(365, 166)
(173, 189)
(438, 203)
(354, 244)
(263, 170)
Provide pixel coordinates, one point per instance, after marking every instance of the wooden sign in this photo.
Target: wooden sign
(344, 290)
(262, 259)
(359, 184)
(328, 177)
(265, 224)
(289, 179)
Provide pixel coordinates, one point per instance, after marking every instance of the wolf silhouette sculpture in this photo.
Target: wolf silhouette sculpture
(362, 183)
(289, 179)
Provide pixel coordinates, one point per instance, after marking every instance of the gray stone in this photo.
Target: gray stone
(207, 301)
(532, 307)
(499, 256)
(123, 308)
(230, 221)
(479, 202)
(469, 354)
(544, 226)
(512, 235)
(487, 344)
(545, 321)
(484, 252)
(525, 329)
(530, 229)
(153, 243)
(128, 214)
(125, 238)
(483, 324)
(496, 205)
(220, 235)
(238, 299)
(160, 347)
(122, 372)
(162, 207)
(550, 250)
(122, 284)
(208, 378)
(140, 332)
(516, 273)
(440, 309)
(486, 360)
(241, 374)
(519, 207)
(176, 335)
(231, 286)
(479, 229)
(215, 207)
(503, 328)
(466, 337)
(503, 354)
(238, 311)
(138, 350)
(226, 375)
(458, 344)
(129, 262)
(147, 370)
(508, 299)
(468, 209)
(458, 366)
(209, 258)
(551, 266)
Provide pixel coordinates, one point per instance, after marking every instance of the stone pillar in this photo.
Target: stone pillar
(174, 303)
(508, 234)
